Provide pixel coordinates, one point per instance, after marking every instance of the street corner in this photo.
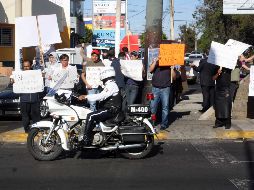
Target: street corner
(234, 134)
(14, 136)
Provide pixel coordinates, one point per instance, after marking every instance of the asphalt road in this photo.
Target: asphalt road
(191, 165)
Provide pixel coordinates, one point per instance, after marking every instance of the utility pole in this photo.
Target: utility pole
(18, 51)
(154, 9)
(172, 28)
(118, 27)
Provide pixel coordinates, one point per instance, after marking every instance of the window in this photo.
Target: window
(6, 38)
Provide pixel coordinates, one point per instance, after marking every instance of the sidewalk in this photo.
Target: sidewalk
(184, 124)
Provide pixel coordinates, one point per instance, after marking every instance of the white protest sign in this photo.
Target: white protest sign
(222, 55)
(70, 80)
(106, 62)
(251, 85)
(49, 30)
(27, 81)
(26, 33)
(238, 47)
(93, 76)
(152, 53)
(132, 69)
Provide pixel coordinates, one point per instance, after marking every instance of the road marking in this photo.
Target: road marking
(242, 184)
(217, 156)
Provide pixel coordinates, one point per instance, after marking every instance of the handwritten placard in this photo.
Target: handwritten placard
(93, 76)
(152, 54)
(237, 46)
(251, 85)
(171, 54)
(28, 81)
(222, 55)
(132, 69)
(70, 79)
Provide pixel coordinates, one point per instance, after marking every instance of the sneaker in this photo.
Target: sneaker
(163, 127)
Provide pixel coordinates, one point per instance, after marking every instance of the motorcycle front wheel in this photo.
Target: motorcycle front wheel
(41, 151)
(138, 153)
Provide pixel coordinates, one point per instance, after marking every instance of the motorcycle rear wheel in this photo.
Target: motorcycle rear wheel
(41, 151)
(140, 153)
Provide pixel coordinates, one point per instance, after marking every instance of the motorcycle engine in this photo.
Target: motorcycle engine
(97, 139)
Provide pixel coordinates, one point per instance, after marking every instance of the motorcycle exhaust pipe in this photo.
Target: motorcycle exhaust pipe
(122, 147)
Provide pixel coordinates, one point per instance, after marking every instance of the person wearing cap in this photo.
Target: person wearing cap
(95, 61)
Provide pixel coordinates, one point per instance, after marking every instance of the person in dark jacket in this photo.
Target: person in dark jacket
(206, 71)
(119, 78)
(223, 101)
(29, 104)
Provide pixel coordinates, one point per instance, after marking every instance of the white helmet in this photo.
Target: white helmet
(107, 72)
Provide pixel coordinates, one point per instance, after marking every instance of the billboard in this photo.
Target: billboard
(107, 22)
(106, 37)
(238, 7)
(102, 7)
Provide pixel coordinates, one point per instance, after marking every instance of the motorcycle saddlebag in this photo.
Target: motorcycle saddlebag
(132, 134)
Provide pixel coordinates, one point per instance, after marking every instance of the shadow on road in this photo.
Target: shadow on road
(249, 156)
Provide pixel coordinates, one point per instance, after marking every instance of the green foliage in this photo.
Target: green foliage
(88, 35)
(214, 26)
(187, 36)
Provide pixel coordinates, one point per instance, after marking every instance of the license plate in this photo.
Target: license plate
(139, 109)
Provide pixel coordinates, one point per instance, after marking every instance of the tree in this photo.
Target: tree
(187, 35)
(88, 35)
(214, 26)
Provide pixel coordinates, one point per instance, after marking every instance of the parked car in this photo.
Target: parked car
(10, 103)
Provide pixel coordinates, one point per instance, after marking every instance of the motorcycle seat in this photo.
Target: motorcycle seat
(115, 120)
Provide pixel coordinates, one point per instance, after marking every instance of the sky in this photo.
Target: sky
(137, 11)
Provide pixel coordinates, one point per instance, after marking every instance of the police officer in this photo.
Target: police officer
(110, 100)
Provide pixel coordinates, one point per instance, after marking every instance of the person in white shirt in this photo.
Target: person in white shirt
(51, 65)
(65, 76)
(110, 99)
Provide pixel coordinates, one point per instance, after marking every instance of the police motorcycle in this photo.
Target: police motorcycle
(133, 138)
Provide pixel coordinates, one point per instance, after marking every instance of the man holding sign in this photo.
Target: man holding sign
(29, 103)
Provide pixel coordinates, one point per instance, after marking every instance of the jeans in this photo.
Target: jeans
(131, 93)
(161, 94)
(93, 103)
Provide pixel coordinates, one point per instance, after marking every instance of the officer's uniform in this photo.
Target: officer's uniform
(110, 99)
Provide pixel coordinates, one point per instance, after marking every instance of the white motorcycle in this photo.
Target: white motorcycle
(134, 138)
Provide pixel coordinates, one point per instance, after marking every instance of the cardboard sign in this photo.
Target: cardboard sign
(152, 54)
(132, 69)
(251, 85)
(27, 81)
(93, 76)
(171, 54)
(68, 77)
(222, 55)
(238, 47)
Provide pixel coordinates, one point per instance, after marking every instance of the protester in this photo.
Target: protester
(235, 79)
(161, 83)
(64, 76)
(132, 86)
(223, 101)
(95, 61)
(29, 103)
(119, 76)
(206, 71)
(126, 52)
(51, 65)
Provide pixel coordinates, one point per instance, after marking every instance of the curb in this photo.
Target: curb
(13, 137)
